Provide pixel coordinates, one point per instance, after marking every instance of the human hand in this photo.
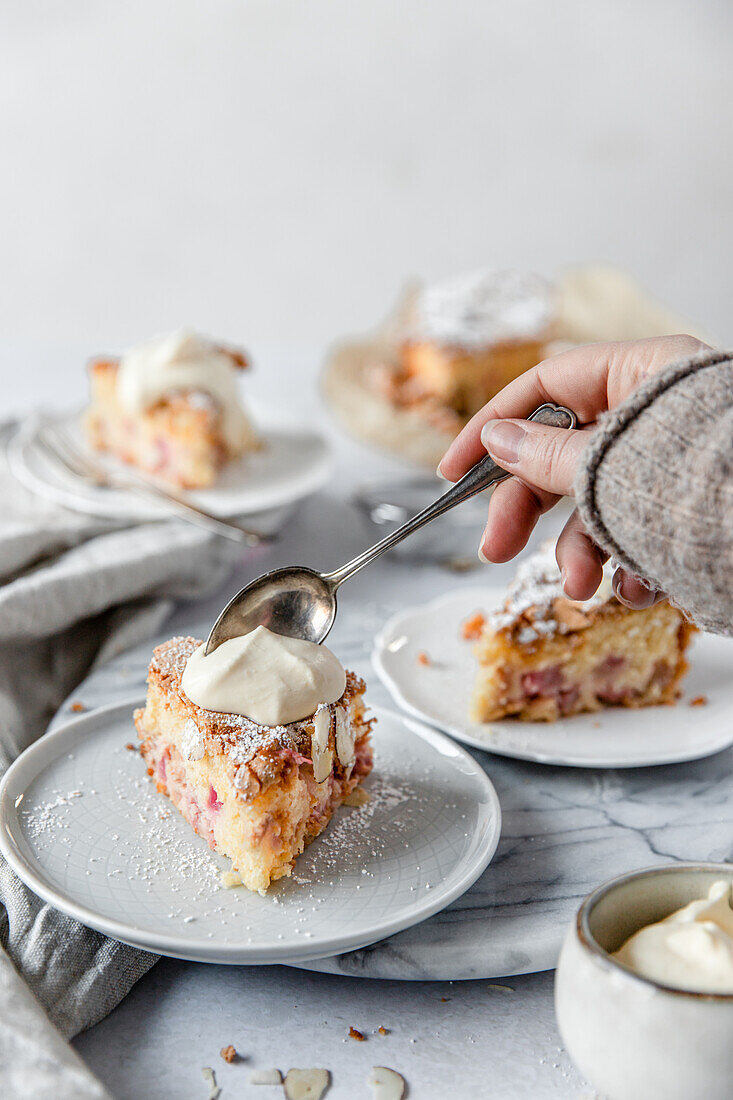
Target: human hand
(589, 380)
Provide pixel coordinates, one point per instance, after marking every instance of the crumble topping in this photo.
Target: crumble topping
(536, 604)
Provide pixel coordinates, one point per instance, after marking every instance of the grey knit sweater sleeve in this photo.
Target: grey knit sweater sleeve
(655, 488)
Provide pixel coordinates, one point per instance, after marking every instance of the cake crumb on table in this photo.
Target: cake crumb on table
(357, 797)
(229, 1053)
(699, 701)
(130, 747)
(422, 658)
(472, 627)
(354, 1034)
(383, 1030)
(78, 708)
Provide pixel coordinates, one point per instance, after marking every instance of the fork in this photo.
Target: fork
(56, 443)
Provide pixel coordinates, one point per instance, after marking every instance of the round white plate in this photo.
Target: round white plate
(292, 464)
(83, 826)
(615, 738)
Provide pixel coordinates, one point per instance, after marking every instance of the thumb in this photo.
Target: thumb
(544, 457)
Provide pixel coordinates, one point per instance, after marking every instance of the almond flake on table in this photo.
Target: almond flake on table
(306, 1084)
(210, 1078)
(386, 1084)
(266, 1077)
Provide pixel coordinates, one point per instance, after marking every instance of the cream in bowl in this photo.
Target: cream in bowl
(644, 985)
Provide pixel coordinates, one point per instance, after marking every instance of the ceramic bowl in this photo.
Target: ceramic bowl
(633, 1038)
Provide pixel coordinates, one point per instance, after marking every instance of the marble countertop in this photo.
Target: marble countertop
(565, 830)
(466, 1039)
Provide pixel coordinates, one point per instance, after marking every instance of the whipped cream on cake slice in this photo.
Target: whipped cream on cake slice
(171, 406)
(543, 656)
(258, 792)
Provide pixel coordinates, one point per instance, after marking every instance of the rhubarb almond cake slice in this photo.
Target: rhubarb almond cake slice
(257, 793)
(544, 656)
(171, 407)
(461, 341)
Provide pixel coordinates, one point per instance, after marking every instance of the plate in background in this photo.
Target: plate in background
(619, 737)
(84, 827)
(293, 464)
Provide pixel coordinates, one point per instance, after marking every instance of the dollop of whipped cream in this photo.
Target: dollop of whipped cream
(690, 949)
(483, 307)
(270, 679)
(182, 361)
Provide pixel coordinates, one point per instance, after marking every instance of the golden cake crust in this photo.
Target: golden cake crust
(544, 656)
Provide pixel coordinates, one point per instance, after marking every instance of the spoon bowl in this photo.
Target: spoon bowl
(301, 603)
(296, 602)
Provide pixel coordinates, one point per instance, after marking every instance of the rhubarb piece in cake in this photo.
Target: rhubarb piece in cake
(258, 793)
(171, 407)
(463, 340)
(544, 656)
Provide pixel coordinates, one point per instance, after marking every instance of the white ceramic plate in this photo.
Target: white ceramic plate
(83, 826)
(292, 464)
(614, 738)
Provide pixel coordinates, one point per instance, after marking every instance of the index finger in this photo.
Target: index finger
(576, 378)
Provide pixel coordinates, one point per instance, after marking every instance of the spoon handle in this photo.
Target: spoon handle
(484, 474)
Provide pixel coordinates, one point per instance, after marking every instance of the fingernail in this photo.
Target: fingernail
(634, 601)
(482, 557)
(439, 473)
(502, 440)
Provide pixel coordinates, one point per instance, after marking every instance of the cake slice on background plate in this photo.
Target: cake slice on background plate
(258, 793)
(544, 656)
(171, 407)
(460, 341)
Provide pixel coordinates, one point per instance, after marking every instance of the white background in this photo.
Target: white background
(272, 170)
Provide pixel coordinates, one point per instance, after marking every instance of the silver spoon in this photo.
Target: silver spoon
(301, 603)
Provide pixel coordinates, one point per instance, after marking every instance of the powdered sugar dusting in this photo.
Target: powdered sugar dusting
(532, 594)
(482, 308)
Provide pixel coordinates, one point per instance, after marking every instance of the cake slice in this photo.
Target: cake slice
(463, 340)
(171, 408)
(544, 656)
(257, 794)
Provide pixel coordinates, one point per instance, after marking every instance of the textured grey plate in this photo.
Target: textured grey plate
(84, 827)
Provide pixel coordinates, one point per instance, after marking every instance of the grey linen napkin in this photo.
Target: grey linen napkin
(75, 591)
